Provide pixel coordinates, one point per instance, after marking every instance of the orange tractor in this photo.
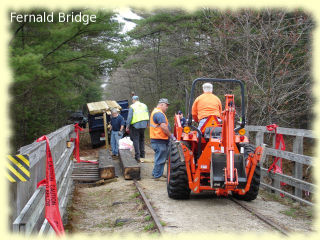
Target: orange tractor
(217, 157)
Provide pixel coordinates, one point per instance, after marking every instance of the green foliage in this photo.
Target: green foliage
(119, 224)
(147, 218)
(163, 223)
(135, 195)
(57, 68)
(269, 50)
(149, 227)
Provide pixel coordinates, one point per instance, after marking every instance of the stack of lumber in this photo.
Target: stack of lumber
(102, 106)
(97, 107)
(86, 172)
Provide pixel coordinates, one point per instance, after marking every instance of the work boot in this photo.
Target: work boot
(158, 179)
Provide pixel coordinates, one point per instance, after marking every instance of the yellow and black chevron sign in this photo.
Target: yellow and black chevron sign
(18, 168)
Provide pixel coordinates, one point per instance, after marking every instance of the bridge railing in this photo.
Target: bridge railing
(297, 157)
(27, 201)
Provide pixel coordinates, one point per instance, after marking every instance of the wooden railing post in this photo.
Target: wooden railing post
(259, 138)
(298, 167)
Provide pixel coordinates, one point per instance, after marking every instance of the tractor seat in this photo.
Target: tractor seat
(212, 132)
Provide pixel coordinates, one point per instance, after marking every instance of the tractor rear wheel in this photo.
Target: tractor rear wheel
(255, 182)
(177, 179)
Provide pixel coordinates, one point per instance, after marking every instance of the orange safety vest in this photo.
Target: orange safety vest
(205, 105)
(156, 131)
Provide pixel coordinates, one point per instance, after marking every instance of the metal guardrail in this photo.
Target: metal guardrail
(28, 201)
(296, 156)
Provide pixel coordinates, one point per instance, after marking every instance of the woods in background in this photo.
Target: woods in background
(57, 68)
(270, 50)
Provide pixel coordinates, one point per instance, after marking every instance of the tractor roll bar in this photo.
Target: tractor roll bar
(243, 120)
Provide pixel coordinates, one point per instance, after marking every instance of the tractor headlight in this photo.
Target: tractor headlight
(186, 129)
(242, 131)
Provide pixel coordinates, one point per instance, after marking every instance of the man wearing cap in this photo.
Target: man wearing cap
(205, 105)
(182, 119)
(117, 125)
(159, 135)
(137, 122)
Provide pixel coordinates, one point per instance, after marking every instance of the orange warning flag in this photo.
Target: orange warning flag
(52, 213)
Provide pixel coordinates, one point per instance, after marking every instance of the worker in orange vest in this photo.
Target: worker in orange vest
(160, 135)
(205, 105)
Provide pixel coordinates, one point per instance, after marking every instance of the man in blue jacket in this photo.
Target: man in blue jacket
(117, 125)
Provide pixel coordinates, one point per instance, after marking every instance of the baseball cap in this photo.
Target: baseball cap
(179, 112)
(135, 97)
(164, 100)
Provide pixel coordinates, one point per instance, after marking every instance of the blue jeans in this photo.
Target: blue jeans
(160, 157)
(115, 142)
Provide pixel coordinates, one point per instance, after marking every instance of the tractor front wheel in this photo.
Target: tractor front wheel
(255, 182)
(177, 182)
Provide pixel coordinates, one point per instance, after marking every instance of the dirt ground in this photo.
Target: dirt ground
(208, 213)
(117, 207)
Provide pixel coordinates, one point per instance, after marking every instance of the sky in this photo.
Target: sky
(126, 13)
(128, 26)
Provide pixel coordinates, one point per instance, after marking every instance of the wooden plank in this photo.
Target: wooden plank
(32, 216)
(31, 204)
(37, 156)
(97, 107)
(32, 212)
(106, 166)
(96, 172)
(130, 167)
(113, 104)
(68, 152)
(105, 130)
(284, 131)
(259, 138)
(264, 154)
(290, 156)
(85, 172)
(286, 193)
(298, 167)
(289, 180)
(37, 150)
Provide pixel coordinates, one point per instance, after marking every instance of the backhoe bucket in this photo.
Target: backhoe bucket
(217, 172)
